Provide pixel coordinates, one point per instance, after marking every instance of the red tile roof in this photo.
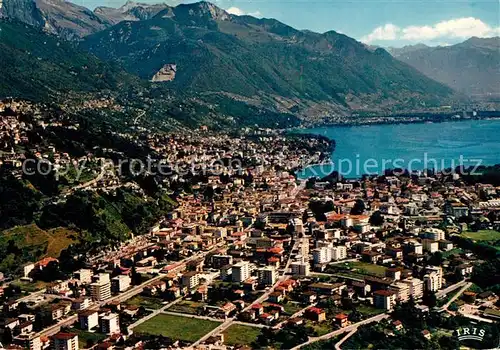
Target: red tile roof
(315, 310)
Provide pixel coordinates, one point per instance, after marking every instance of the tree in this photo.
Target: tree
(38, 322)
(377, 219)
(355, 315)
(436, 259)
(358, 208)
(429, 299)
(7, 336)
(136, 277)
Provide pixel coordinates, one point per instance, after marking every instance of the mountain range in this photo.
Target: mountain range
(39, 66)
(46, 69)
(471, 67)
(201, 52)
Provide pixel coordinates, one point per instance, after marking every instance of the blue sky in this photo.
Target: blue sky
(378, 22)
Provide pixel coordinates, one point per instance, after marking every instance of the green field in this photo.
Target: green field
(482, 235)
(30, 287)
(321, 328)
(147, 302)
(186, 307)
(452, 251)
(367, 268)
(240, 335)
(368, 311)
(29, 243)
(292, 307)
(177, 327)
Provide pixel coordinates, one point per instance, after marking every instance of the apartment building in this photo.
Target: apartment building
(416, 287)
(65, 341)
(120, 283)
(267, 276)
(339, 252)
(100, 291)
(190, 279)
(110, 323)
(300, 268)
(384, 299)
(240, 271)
(84, 276)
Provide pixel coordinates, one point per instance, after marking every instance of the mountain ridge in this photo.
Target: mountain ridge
(130, 11)
(264, 60)
(471, 67)
(199, 50)
(60, 17)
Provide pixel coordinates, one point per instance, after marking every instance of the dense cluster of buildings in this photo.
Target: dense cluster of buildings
(247, 231)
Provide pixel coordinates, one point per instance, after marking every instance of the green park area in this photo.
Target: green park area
(177, 327)
(482, 235)
(187, 307)
(292, 307)
(368, 311)
(367, 268)
(147, 302)
(240, 335)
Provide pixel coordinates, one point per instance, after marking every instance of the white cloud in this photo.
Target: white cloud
(386, 32)
(455, 28)
(255, 14)
(235, 11)
(239, 12)
(460, 28)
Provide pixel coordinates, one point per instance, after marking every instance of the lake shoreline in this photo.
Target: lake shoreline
(373, 149)
(395, 120)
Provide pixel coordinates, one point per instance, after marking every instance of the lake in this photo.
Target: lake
(372, 149)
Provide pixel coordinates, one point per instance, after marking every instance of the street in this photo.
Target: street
(350, 328)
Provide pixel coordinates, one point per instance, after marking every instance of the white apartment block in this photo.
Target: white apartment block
(101, 278)
(433, 282)
(88, 319)
(120, 283)
(267, 276)
(241, 271)
(434, 278)
(322, 255)
(416, 247)
(430, 245)
(300, 268)
(100, 291)
(339, 252)
(402, 291)
(110, 324)
(28, 341)
(435, 234)
(416, 287)
(84, 276)
(190, 279)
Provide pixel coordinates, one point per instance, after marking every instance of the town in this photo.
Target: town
(248, 255)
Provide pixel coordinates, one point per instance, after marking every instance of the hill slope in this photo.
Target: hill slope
(264, 62)
(45, 68)
(471, 67)
(60, 17)
(131, 11)
(37, 65)
(72, 21)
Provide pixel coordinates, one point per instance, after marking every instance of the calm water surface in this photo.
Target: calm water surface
(372, 149)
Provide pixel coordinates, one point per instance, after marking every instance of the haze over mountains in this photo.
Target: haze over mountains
(200, 50)
(471, 67)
